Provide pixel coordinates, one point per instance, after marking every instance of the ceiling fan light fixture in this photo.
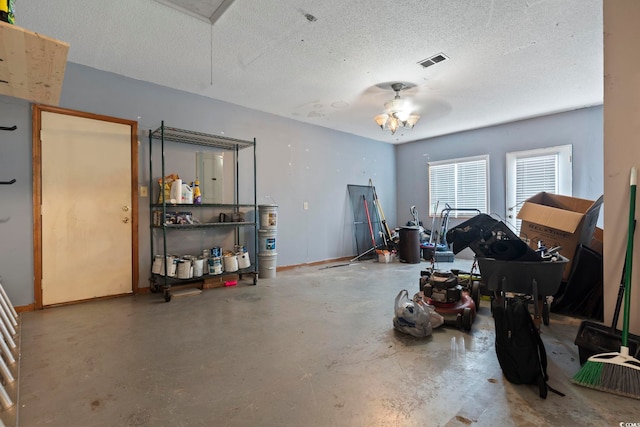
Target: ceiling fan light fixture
(412, 120)
(381, 120)
(402, 115)
(397, 104)
(393, 124)
(398, 112)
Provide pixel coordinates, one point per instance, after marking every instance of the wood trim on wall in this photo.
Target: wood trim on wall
(36, 162)
(37, 110)
(135, 265)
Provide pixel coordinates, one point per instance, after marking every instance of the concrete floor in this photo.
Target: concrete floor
(313, 347)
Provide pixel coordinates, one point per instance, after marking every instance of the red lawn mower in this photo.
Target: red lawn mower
(455, 298)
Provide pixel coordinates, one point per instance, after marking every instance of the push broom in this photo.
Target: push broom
(617, 373)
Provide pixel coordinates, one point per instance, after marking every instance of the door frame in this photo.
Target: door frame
(36, 161)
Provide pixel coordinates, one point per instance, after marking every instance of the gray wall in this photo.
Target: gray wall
(296, 163)
(582, 128)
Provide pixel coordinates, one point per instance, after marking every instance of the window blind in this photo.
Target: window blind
(533, 175)
(458, 183)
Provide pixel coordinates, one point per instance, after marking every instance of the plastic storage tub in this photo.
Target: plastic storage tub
(518, 276)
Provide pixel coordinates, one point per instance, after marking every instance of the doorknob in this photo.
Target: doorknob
(125, 208)
(125, 220)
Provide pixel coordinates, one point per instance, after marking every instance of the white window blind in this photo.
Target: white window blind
(460, 183)
(533, 171)
(535, 174)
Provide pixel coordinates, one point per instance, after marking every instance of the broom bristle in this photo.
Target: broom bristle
(621, 380)
(616, 373)
(589, 375)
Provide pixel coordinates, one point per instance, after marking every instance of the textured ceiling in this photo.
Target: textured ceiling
(330, 62)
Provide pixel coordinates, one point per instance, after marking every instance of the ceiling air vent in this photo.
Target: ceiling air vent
(433, 60)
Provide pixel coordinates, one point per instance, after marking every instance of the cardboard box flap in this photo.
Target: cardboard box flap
(569, 203)
(557, 218)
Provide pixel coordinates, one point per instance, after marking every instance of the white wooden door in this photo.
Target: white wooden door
(86, 208)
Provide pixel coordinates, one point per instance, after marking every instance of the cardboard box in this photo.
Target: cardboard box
(559, 221)
(218, 281)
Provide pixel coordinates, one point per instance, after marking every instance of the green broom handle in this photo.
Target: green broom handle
(627, 279)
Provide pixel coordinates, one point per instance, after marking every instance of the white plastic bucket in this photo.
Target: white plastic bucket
(267, 241)
(230, 262)
(198, 267)
(184, 269)
(157, 267)
(268, 217)
(215, 265)
(384, 257)
(243, 260)
(172, 263)
(267, 269)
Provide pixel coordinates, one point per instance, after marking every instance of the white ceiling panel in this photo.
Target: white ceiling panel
(330, 63)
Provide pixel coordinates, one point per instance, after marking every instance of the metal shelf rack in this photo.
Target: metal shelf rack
(164, 134)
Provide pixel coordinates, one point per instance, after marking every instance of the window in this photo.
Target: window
(459, 183)
(532, 171)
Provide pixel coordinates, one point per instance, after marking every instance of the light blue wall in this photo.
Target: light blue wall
(583, 129)
(296, 163)
(16, 223)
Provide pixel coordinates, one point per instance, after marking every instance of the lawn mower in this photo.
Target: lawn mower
(454, 298)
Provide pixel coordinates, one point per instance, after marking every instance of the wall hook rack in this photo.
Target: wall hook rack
(7, 182)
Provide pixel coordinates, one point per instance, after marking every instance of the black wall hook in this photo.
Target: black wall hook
(14, 127)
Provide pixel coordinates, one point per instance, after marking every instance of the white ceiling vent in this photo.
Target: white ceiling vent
(433, 60)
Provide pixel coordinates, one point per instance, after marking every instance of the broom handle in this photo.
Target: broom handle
(629, 257)
(380, 211)
(616, 312)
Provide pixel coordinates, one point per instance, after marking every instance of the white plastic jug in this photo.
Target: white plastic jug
(187, 194)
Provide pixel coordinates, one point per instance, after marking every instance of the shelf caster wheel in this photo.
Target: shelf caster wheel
(167, 295)
(255, 280)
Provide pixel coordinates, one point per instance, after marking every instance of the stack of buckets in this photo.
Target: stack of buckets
(267, 235)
